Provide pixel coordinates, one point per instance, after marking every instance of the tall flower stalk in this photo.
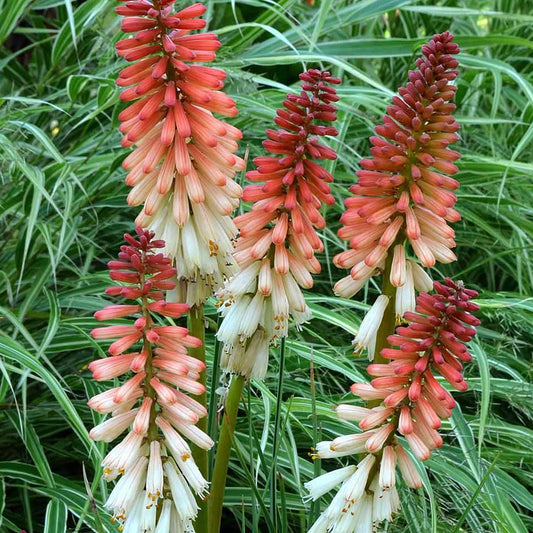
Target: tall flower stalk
(157, 475)
(183, 160)
(403, 201)
(276, 248)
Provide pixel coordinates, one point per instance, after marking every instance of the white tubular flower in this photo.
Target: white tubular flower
(358, 505)
(256, 305)
(348, 287)
(280, 306)
(422, 280)
(351, 508)
(257, 351)
(202, 249)
(354, 413)
(323, 451)
(366, 336)
(385, 501)
(235, 320)
(354, 487)
(351, 444)
(163, 524)
(243, 282)
(405, 294)
(109, 430)
(192, 474)
(149, 514)
(134, 520)
(184, 501)
(154, 478)
(324, 483)
(127, 489)
(123, 455)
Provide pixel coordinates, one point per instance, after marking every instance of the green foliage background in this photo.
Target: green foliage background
(63, 212)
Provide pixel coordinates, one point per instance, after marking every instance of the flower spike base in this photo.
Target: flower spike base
(157, 475)
(225, 439)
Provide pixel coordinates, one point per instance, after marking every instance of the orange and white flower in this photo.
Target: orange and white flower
(183, 160)
(277, 238)
(151, 404)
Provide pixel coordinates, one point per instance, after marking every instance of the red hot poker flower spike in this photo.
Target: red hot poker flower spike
(183, 163)
(405, 188)
(278, 240)
(432, 343)
(152, 400)
(413, 404)
(295, 185)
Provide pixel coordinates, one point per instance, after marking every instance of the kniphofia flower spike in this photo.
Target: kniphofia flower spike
(153, 462)
(402, 201)
(412, 404)
(183, 160)
(278, 239)
(403, 194)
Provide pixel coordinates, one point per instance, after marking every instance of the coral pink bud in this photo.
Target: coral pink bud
(183, 382)
(138, 362)
(174, 310)
(111, 367)
(417, 446)
(389, 382)
(378, 438)
(424, 410)
(409, 472)
(398, 270)
(142, 420)
(405, 422)
(116, 311)
(377, 417)
(395, 398)
(367, 392)
(112, 332)
(172, 366)
(124, 343)
(165, 394)
(130, 389)
(415, 389)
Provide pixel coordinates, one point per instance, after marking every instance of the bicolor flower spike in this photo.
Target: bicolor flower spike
(278, 238)
(405, 188)
(153, 462)
(413, 404)
(183, 160)
(403, 196)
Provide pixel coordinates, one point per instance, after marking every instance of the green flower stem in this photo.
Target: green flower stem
(388, 323)
(274, 472)
(220, 471)
(212, 427)
(197, 329)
